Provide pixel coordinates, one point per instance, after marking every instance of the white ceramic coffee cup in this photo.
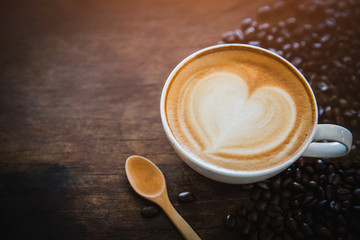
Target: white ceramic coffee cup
(338, 139)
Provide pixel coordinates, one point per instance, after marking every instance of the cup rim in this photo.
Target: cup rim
(217, 169)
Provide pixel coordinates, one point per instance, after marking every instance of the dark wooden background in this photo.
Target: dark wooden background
(80, 85)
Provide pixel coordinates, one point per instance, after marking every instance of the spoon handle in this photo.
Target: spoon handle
(184, 228)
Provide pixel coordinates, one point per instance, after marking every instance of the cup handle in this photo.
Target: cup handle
(340, 140)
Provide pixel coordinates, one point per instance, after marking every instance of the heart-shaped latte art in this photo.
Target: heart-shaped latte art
(223, 118)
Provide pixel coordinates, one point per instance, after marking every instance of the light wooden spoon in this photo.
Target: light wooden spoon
(148, 181)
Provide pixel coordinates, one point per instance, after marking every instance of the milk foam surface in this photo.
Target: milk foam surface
(240, 110)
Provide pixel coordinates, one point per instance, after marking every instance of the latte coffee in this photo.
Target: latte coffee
(239, 108)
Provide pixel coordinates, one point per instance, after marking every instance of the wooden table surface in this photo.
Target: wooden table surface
(80, 85)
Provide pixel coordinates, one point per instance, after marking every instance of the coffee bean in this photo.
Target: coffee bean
(266, 194)
(286, 182)
(284, 204)
(309, 169)
(344, 194)
(291, 224)
(350, 179)
(264, 12)
(246, 228)
(254, 235)
(255, 43)
(323, 232)
(264, 26)
(347, 204)
(249, 32)
(246, 23)
(357, 194)
(319, 165)
(306, 230)
(329, 192)
(331, 178)
(298, 235)
(322, 179)
(150, 211)
(297, 174)
(311, 203)
(341, 231)
(248, 187)
(276, 222)
(334, 206)
(274, 211)
(299, 217)
(253, 216)
(186, 197)
(255, 194)
(320, 192)
(261, 35)
(312, 184)
(261, 205)
(264, 185)
(230, 221)
(242, 211)
(275, 199)
(297, 187)
(229, 37)
(322, 205)
(278, 6)
(295, 204)
(287, 236)
(263, 222)
(341, 220)
(266, 234)
(276, 184)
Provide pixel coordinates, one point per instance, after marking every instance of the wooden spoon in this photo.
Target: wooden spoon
(148, 181)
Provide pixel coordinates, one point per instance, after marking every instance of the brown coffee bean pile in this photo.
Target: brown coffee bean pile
(313, 199)
(310, 200)
(322, 40)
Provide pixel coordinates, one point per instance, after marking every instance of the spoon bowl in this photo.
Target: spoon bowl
(149, 182)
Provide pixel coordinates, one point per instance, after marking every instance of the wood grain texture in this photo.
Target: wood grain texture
(80, 85)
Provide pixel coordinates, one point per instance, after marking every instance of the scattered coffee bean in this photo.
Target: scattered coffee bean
(186, 197)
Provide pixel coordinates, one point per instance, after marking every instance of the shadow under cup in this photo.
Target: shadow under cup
(193, 114)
